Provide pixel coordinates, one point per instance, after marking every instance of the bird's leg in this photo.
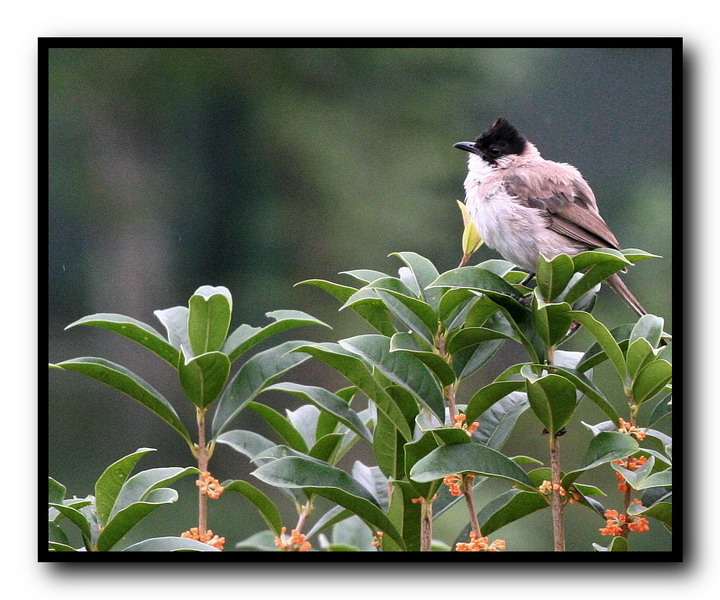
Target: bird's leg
(527, 279)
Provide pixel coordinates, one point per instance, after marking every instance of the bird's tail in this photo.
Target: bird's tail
(619, 286)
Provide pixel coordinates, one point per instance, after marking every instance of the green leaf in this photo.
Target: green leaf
(413, 312)
(175, 320)
(662, 408)
(77, 518)
(472, 336)
(127, 518)
(596, 355)
(373, 480)
(587, 387)
(552, 399)
(245, 336)
(486, 396)
(128, 383)
(552, 320)
(141, 485)
(331, 483)
(605, 447)
(254, 375)
(405, 342)
(662, 511)
(170, 544)
(282, 425)
(424, 273)
(600, 264)
(604, 338)
(56, 491)
(467, 458)
(204, 377)
(634, 255)
(267, 509)
(648, 327)
(365, 275)
(356, 370)
(651, 380)
(372, 309)
(553, 275)
(388, 447)
(328, 402)
(139, 332)
(639, 353)
(351, 535)
(507, 508)
(497, 421)
(401, 368)
(249, 443)
(209, 318)
(327, 446)
(110, 483)
(473, 278)
(618, 544)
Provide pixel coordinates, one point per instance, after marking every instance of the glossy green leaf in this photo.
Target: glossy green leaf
(388, 447)
(281, 425)
(639, 353)
(203, 377)
(358, 372)
(249, 443)
(651, 380)
(401, 368)
(245, 336)
(139, 332)
(331, 483)
(468, 361)
(662, 511)
(209, 318)
(424, 273)
(473, 278)
(175, 321)
(662, 408)
(595, 355)
(305, 419)
(605, 447)
(648, 327)
(488, 395)
(170, 544)
(553, 400)
(604, 338)
(125, 381)
(552, 320)
(56, 491)
(327, 446)
(351, 535)
(589, 389)
(373, 480)
(77, 517)
(472, 336)
(267, 509)
(110, 483)
(365, 275)
(467, 458)
(141, 485)
(405, 342)
(507, 508)
(618, 544)
(498, 420)
(600, 264)
(127, 518)
(258, 372)
(326, 401)
(553, 275)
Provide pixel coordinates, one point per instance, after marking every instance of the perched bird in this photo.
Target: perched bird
(524, 205)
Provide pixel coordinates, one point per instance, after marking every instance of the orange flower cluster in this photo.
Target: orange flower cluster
(209, 485)
(209, 539)
(631, 464)
(460, 424)
(295, 543)
(454, 482)
(630, 429)
(615, 522)
(546, 488)
(377, 539)
(480, 544)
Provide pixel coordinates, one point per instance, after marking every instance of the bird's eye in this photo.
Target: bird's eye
(495, 151)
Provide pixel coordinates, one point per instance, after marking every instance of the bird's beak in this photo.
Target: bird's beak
(468, 147)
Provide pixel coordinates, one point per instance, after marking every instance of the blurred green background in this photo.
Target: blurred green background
(256, 168)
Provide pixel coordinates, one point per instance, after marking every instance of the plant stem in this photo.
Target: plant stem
(426, 525)
(304, 512)
(556, 503)
(202, 457)
(468, 493)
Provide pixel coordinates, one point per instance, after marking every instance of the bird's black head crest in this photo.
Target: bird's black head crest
(500, 140)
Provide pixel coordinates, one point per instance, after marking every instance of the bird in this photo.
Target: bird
(524, 205)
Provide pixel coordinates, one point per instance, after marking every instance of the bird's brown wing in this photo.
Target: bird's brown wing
(569, 207)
